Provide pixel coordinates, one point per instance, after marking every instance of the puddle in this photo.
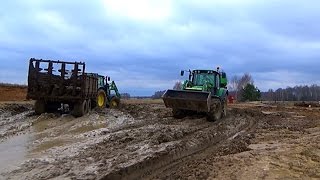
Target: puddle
(84, 129)
(48, 144)
(13, 152)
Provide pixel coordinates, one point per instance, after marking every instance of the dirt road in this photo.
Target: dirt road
(141, 140)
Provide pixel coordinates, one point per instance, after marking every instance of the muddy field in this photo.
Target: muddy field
(141, 140)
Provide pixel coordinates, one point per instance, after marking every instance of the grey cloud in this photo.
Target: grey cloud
(259, 37)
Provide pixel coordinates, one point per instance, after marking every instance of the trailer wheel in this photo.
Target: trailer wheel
(114, 102)
(101, 99)
(89, 105)
(40, 107)
(215, 113)
(80, 108)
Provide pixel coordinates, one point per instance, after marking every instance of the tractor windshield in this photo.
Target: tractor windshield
(100, 81)
(202, 78)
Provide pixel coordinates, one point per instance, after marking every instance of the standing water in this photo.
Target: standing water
(13, 152)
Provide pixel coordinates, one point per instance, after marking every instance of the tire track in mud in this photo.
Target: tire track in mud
(191, 144)
(161, 115)
(166, 171)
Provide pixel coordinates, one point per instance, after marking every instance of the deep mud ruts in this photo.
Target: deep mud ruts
(143, 141)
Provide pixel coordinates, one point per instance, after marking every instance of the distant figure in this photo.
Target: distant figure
(231, 99)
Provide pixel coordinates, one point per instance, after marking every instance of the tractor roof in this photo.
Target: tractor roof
(204, 71)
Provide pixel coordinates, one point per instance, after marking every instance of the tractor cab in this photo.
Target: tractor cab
(103, 82)
(202, 80)
(205, 80)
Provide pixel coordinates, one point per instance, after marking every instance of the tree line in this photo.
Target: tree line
(297, 93)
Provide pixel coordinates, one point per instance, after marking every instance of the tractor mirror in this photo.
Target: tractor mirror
(182, 73)
(108, 78)
(224, 75)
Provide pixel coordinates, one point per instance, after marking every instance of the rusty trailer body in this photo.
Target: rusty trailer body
(51, 83)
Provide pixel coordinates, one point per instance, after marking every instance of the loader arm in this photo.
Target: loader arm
(113, 87)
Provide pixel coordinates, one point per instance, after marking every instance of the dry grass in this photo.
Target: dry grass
(12, 92)
(12, 85)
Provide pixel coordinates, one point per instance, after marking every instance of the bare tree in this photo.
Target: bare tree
(244, 80)
(157, 94)
(177, 85)
(234, 83)
(237, 84)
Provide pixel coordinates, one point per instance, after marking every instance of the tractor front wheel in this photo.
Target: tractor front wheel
(114, 102)
(216, 112)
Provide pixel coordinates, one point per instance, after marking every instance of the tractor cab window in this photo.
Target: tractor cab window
(101, 82)
(202, 78)
(217, 81)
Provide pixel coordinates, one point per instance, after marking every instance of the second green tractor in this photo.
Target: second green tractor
(108, 94)
(204, 91)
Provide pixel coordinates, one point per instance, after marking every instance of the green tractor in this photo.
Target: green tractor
(204, 91)
(108, 94)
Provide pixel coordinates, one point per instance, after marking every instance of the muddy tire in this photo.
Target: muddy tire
(101, 99)
(225, 108)
(216, 112)
(114, 102)
(178, 113)
(89, 105)
(40, 107)
(80, 109)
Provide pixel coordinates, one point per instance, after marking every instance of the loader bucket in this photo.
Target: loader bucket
(187, 100)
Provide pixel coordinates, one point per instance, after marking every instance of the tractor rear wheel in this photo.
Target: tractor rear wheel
(114, 102)
(216, 112)
(40, 107)
(101, 99)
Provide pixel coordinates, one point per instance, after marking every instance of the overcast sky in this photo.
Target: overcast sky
(144, 44)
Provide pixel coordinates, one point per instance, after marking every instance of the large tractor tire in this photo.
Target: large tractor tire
(216, 112)
(178, 113)
(224, 108)
(114, 102)
(101, 99)
(80, 108)
(40, 107)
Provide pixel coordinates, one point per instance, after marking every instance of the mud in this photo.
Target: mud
(142, 140)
